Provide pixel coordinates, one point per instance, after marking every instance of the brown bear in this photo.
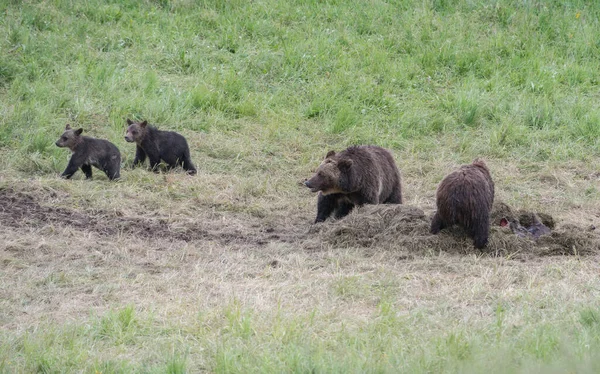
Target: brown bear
(88, 152)
(168, 146)
(356, 176)
(465, 197)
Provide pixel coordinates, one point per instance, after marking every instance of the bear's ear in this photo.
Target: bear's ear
(143, 124)
(480, 163)
(78, 131)
(68, 127)
(329, 154)
(129, 122)
(344, 164)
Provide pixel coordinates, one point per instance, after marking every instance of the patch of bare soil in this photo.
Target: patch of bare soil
(22, 210)
(403, 227)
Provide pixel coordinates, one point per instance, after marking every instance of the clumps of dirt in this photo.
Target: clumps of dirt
(22, 210)
(403, 227)
(502, 210)
(570, 239)
(393, 227)
(19, 209)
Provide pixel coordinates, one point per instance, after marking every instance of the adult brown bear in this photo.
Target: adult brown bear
(465, 197)
(356, 176)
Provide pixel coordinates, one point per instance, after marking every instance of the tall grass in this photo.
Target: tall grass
(508, 78)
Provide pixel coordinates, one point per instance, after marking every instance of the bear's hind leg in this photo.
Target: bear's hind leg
(481, 232)
(113, 172)
(187, 165)
(437, 223)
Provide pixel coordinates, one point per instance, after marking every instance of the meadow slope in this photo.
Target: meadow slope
(224, 271)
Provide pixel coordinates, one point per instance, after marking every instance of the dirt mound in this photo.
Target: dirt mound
(375, 224)
(403, 227)
(502, 210)
(22, 210)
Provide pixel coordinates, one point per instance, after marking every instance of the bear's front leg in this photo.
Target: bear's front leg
(87, 170)
(140, 156)
(343, 209)
(326, 204)
(71, 169)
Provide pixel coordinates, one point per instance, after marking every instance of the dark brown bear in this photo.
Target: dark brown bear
(88, 152)
(356, 176)
(465, 198)
(168, 146)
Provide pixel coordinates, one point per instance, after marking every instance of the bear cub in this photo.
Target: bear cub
(88, 152)
(353, 177)
(168, 146)
(465, 197)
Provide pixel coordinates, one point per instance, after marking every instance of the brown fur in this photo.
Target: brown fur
(465, 197)
(356, 176)
(88, 152)
(157, 145)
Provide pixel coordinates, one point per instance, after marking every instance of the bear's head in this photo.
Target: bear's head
(328, 174)
(135, 131)
(70, 138)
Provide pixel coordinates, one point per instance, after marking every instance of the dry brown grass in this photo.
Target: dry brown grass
(175, 246)
(73, 246)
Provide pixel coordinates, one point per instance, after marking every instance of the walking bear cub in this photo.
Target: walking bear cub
(465, 197)
(168, 146)
(88, 152)
(356, 176)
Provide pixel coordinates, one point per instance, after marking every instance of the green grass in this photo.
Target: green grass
(515, 79)
(238, 340)
(262, 90)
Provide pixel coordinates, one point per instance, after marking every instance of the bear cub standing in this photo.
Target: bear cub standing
(168, 146)
(88, 152)
(465, 197)
(356, 176)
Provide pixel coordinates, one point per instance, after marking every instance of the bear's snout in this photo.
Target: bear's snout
(312, 187)
(128, 139)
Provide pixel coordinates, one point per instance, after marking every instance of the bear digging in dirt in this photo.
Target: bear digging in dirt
(168, 146)
(465, 197)
(356, 176)
(88, 152)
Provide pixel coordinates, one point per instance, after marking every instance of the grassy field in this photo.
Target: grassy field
(223, 272)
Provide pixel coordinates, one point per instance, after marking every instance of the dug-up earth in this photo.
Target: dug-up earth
(402, 228)
(61, 261)
(407, 228)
